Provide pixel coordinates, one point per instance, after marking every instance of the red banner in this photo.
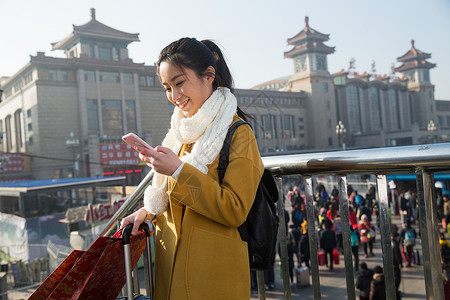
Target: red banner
(101, 212)
(118, 154)
(15, 163)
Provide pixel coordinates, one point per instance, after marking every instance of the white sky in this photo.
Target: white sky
(253, 33)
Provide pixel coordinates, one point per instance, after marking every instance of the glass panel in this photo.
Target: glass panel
(112, 118)
(131, 115)
(92, 115)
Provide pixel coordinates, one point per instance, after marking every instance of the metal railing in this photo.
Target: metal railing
(423, 160)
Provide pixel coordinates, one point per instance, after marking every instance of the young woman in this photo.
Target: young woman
(199, 252)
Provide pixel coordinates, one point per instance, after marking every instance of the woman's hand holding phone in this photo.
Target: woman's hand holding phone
(161, 159)
(138, 144)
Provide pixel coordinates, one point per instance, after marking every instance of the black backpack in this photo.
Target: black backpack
(261, 226)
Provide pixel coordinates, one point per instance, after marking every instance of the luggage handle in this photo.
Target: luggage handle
(126, 235)
(126, 232)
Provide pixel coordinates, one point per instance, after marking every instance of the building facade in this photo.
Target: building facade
(67, 115)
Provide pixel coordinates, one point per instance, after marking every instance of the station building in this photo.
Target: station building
(65, 116)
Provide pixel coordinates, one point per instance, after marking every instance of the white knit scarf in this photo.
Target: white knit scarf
(207, 129)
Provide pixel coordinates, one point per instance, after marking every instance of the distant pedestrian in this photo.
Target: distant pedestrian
(397, 262)
(407, 241)
(328, 242)
(363, 280)
(355, 241)
(367, 234)
(378, 286)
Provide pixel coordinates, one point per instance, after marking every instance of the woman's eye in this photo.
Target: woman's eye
(180, 83)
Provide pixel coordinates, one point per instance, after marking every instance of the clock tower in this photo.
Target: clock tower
(415, 67)
(311, 75)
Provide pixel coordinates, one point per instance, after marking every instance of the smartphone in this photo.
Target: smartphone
(133, 140)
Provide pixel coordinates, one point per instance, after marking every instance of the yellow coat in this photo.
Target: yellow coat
(199, 252)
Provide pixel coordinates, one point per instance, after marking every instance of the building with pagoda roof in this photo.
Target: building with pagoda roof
(99, 93)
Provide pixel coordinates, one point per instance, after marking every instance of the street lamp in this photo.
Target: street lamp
(341, 131)
(431, 129)
(72, 144)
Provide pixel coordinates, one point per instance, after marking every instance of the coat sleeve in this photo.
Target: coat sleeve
(229, 203)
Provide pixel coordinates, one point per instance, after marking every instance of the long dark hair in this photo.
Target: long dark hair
(198, 56)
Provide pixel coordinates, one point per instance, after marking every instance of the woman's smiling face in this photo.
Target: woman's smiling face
(184, 88)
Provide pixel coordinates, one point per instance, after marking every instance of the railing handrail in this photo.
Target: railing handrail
(434, 157)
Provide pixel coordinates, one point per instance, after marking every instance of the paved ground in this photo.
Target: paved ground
(332, 284)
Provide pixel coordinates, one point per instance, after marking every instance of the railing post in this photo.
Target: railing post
(429, 234)
(283, 244)
(312, 235)
(261, 287)
(348, 260)
(385, 232)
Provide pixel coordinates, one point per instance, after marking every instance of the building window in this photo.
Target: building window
(287, 126)
(353, 107)
(57, 75)
(52, 75)
(109, 77)
(269, 127)
(92, 115)
(91, 51)
(112, 118)
(89, 76)
(146, 81)
(395, 109)
(325, 87)
(8, 133)
(18, 128)
(105, 53)
(448, 121)
(375, 110)
(28, 113)
(440, 121)
(116, 53)
(329, 123)
(28, 78)
(127, 78)
(131, 115)
(30, 141)
(327, 104)
(30, 127)
(330, 141)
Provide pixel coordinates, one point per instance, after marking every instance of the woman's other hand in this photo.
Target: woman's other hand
(137, 218)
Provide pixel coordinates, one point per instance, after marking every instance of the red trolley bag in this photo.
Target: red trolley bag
(336, 257)
(97, 273)
(321, 257)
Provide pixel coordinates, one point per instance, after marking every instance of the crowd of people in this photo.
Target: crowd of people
(363, 214)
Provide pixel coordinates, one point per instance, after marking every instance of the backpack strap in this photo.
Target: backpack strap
(224, 159)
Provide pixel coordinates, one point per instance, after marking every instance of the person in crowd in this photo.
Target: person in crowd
(446, 209)
(405, 208)
(407, 241)
(367, 235)
(440, 205)
(370, 195)
(352, 217)
(328, 242)
(199, 252)
(363, 280)
(445, 253)
(377, 286)
(331, 212)
(354, 242)
(304, 244)
(397, 261)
